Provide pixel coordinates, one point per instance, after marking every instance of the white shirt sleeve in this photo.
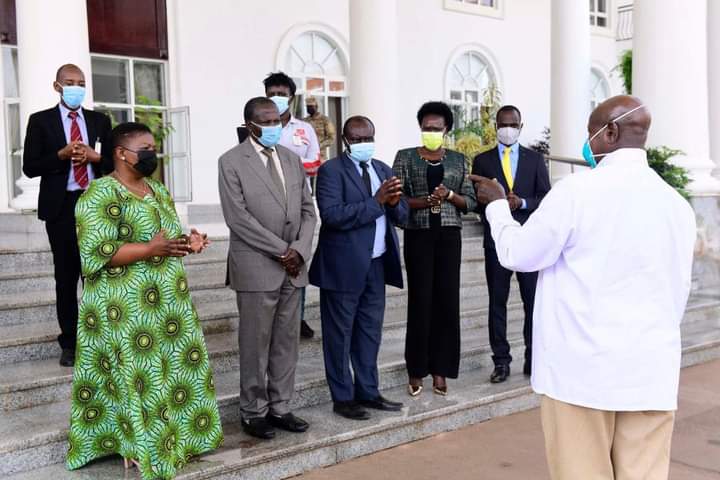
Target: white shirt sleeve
(539, 243)
(313, 150)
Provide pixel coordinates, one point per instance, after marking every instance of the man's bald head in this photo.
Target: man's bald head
(68, 70)
(622, 129)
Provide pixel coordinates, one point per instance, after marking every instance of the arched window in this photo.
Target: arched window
(468, 77)
(319, 68)
(599, 88)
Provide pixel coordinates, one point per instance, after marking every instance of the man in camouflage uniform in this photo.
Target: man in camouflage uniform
(324, 128)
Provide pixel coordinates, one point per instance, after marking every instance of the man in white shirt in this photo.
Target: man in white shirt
(614, 247)
(299, 137)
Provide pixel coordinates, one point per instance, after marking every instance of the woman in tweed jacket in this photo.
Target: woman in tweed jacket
(435, 182)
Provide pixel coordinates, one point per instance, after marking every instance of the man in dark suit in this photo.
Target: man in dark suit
(63, 147)
(357, 254)
(523, 174)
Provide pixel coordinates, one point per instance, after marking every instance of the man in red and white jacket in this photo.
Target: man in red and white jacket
(299, 137)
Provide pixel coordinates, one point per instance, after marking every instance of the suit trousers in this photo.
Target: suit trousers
(351, 333)
(66, 261)
(268, 337)
(498, 285)
(432, 261)
(584, 443)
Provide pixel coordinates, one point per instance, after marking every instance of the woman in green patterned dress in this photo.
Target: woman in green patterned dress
(142, 385)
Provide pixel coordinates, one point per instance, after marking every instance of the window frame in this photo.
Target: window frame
(461, 6)
(596, 29)
(599, 72)
(8, 154)
(467, 106)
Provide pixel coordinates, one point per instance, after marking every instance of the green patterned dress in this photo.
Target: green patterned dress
(142, 384)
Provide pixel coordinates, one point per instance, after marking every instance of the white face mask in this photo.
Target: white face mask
(508, 135)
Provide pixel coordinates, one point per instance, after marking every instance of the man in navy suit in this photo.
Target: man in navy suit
(358, 253)
(523, 174)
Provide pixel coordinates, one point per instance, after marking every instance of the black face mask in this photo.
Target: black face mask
(311, 111)
(147, 162)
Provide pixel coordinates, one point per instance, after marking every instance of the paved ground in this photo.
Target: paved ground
(511, 448)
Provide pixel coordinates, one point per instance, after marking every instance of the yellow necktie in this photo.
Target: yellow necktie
(507, 170)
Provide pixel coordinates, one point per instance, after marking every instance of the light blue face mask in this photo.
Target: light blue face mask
(73, 95)
(282, 103)
(587, 152)
(270, 135)
(361, 152)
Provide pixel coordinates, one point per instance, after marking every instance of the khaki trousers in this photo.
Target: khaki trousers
(586, 444)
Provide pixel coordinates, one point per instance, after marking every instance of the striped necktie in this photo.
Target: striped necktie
(79, 171)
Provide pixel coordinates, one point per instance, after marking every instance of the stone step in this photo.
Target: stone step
(33, 438)
(44, 439)
(30, 382)
(207, 285)
(17, 277)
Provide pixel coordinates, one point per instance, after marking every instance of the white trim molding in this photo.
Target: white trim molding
(301, 28)
(496, 11)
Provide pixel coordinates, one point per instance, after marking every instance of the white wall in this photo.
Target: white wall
(219, 57)
(222, 55)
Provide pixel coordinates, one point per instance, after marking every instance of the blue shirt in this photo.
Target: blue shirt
(380, 222)
(72, 185)
(514, 158)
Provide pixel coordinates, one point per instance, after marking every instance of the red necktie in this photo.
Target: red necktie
(79, 171)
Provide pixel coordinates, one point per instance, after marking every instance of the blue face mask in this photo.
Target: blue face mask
(588, 155)
(282, 103)
(587, 152)
(73, 96)
(361, 152)
(270, 135)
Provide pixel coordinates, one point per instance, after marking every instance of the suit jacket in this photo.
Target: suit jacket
(347, 230)
(532, 183)
(44, 138)
(263, 225)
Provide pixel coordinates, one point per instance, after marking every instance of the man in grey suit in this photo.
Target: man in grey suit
(268, 207)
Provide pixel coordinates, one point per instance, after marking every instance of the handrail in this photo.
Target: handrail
(573, 162)
(567, 160)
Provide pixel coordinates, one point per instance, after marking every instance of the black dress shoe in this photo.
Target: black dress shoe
(351, 410)
(500, 374)
(67, 357)
(288, 422)
(258, 427)
(305, 330)
(527, 367)
(382, 403)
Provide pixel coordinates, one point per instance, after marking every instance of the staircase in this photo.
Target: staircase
(35, 390)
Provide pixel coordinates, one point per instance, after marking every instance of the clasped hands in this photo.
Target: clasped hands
(292, 262)
(389, 192)
(488, 190)
(162, 246)
(79, 153)
(439, 195)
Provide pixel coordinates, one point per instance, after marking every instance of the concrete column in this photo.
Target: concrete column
(373, 85)
(713, 34)
(49, 34)
(670, 75)
(569, 80)
(4, 157)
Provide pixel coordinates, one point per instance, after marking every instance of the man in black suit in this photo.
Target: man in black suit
(62, 147)
(523, 174)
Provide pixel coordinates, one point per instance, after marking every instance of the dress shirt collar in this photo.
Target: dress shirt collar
(64, 111)
(513, 148)
(626, 157)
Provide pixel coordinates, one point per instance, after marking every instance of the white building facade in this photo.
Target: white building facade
(554, 59)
